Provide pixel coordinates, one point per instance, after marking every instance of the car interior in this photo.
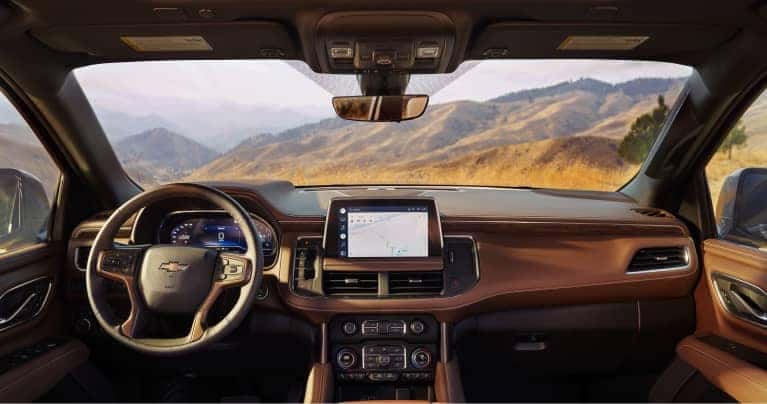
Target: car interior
(381, 252)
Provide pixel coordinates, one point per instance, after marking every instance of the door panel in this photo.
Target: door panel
(741, 379)
(746, 265)
(729, 345)
(18, 272)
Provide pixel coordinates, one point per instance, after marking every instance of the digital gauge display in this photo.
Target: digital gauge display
(216, 232)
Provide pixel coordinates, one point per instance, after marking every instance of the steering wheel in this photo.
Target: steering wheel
(173, 280)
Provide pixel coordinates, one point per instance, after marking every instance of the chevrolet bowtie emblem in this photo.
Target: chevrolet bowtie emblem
(173, 266)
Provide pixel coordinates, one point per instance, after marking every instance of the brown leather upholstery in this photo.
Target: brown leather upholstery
(320, 384)
(746, 263)
(534, 270)
(741, 380)
(34, 378)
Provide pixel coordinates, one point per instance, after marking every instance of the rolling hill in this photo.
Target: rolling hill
(547, 121)
(563, 136)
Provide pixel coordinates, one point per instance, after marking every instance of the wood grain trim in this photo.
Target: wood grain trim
(741, 380)
(383, 265)
(742, 262)
(524, 272)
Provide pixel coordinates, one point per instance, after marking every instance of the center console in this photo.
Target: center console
(383, 357)
(382, 248)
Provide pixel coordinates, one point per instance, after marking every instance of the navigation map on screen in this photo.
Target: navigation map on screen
(388, 233)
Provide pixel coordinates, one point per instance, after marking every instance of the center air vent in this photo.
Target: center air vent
(350, 283)
(415, 283)
(658, 258)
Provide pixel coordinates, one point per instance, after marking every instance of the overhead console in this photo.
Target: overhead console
(401, 41)
(384, 247)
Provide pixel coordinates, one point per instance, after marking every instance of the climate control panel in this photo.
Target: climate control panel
(398, 349)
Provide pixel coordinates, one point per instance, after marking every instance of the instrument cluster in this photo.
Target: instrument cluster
(215, 229)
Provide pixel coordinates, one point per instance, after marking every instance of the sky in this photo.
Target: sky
(277, 84)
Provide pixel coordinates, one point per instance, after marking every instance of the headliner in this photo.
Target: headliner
(84, 32)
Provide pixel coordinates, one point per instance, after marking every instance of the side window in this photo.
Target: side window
(28, 181)
(737, 178)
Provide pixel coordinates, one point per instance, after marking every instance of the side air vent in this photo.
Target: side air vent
(652, 212)
(415, 283)
(658, 258)
(350, 283)
(81, 258)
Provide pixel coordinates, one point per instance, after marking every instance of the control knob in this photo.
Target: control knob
(346, 358)
(420, 358)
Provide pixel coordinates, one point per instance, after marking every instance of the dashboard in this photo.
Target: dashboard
(446, 251)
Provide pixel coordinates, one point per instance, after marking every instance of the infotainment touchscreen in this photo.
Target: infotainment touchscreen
(387, 231)
(382, 228)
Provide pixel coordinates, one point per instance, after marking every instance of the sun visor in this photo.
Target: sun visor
(259, 39)
(655, 42)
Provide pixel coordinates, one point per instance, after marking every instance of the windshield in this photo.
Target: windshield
(575, 124)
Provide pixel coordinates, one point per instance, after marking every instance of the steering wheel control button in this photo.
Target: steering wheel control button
(346, 358)
(349, 328)
(117, 262)
(420, 358)
(417, 327)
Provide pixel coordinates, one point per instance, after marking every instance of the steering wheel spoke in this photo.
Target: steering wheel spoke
(121, 264)
(232, 270)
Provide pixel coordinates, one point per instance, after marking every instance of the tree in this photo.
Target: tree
(736, 138)
(637, 143)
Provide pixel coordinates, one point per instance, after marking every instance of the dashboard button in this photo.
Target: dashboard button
(349, 328)
(417, 327)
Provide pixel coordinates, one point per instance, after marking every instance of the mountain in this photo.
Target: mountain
(159, 155)
(119, 125)
(600, 112)
(220, 125)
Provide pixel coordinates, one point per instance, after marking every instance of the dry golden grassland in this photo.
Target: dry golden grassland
(517, 165)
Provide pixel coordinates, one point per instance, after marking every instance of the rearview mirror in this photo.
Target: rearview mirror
(384, 108)
(741, 211)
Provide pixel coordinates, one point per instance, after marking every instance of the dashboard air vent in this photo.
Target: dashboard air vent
(415, 283)
(350, 283)
(81, 258)
(658, 258)
(652, 212)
